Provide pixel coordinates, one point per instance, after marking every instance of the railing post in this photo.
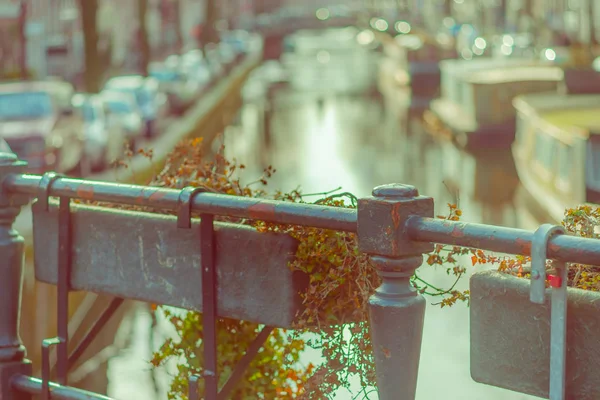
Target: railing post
(12, 351)
(396, 309)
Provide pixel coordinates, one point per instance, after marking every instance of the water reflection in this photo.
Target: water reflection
(483, 184)
(321, 140)
(358, 142)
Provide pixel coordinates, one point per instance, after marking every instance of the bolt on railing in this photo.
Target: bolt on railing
(395, 227)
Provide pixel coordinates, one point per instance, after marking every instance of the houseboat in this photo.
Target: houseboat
(557, 151)
(411, 60)
(423, 56)
(476, 109)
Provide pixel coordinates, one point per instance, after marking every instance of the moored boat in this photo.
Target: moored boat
(412, 61)
(557, 150)
(477, 112)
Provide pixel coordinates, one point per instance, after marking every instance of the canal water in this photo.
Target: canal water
(323, 139)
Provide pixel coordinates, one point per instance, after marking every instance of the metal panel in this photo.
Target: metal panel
(504, 322)
(146, 257)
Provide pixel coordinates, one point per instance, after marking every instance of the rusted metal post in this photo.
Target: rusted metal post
(396, 309)
(12, 351)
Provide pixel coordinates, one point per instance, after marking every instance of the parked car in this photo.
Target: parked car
(239, 39)
(196, 67)
(213, 60)
(150, 101)
(180, 88)
(40, 129)
(105, 136)
(228, 55)
(61, 91)
(123, 108)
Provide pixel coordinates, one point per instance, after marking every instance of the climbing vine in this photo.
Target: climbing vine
(583, 221)
(341, 280)
(334, 319)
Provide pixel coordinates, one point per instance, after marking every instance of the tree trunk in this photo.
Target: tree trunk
(93, 68)
(592, 19)
(179, 34)
(209, 34)
(143, 42)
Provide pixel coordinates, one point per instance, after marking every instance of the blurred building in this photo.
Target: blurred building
(11, 40)
(51, 40)
(53, 36)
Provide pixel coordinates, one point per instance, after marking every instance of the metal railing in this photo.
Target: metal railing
(394, 226)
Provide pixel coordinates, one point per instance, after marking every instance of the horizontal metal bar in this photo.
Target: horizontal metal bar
(31, 385)
(318, 216)
(501, 239)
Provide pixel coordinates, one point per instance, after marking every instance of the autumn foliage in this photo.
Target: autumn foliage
(335, 315)
(341, 280)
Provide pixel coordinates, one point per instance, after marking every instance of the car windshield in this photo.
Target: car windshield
(165, 75)
(593, 162)
(143, 96)
(119, 106)
(90, 113)
(25, 105)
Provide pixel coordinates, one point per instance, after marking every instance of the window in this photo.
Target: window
(25, 105)
(143, 96)
(166, 75)
(89, 112)
(521, 126)
(565, 162)
(119, 107)
(592, 165)
(544, 147)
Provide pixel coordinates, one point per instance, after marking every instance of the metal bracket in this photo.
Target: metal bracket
(209, 291)
(44, 189)
(558, 319)
(64, 269)
(209, 307)
(184, 210)
(47, 344)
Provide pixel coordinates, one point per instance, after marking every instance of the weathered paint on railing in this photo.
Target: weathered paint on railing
(395, 227)
(211, 203)
(145, 256)
(208, 117)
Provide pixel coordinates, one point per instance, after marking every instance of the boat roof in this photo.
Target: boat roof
(115, 96)
(516, 74)
(128, 81)
(539, 104)
(486, 63)
(36, 86)
(80, 99)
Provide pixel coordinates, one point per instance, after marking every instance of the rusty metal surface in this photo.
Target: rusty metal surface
(210, 203)
(501, 239)
(156, 262)
(510, 338)
(382, 218)
(381, 234)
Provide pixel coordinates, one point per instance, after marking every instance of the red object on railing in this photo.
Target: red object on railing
(555, 281)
